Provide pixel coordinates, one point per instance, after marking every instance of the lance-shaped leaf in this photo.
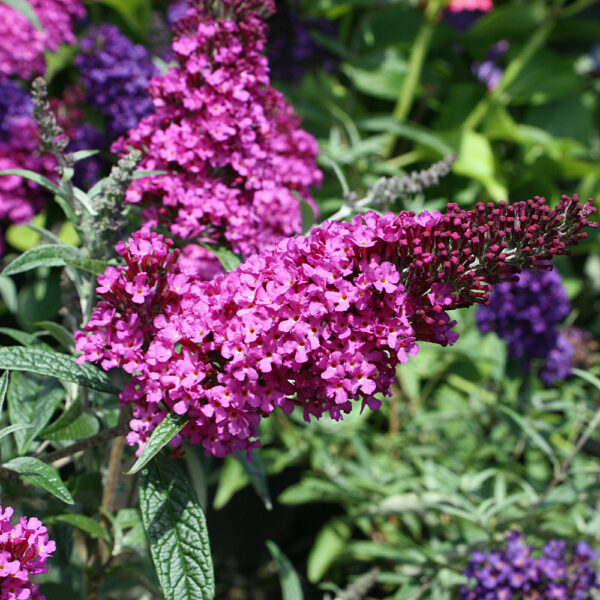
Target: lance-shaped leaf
(165, 431)
(33, 176)
(36, 472)
(258, 476)
(177, 532)
(49, 255)
(55, 364)
(291, 588)
(32, 402)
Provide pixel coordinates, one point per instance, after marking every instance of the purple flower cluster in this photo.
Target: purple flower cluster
(22, 46)
(20, 198)
(514, 572)
(316, 322)
(24, 550)
(15, 104)
(229, 141)
(527, 313)
(115, 73)
(291, 48)
(488, 71)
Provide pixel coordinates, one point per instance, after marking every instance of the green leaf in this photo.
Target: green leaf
(85, 200)
(82, 427)
(84, 523)
(38, 473)
(6, 430)
(55, 364)
(330, 542)
(25, 8)
(91, 265)
(534, 435)
(167, 429)
(83, 154)
(227, 258)
(177, 532)
(24, 338)
(258, 477)
(232, 478)
(417, 133)
(32, 402)
(59, 333)
(66, 418)
(135, 13)
(379, 76)
(3, 388)
(587, 376)
(8, 291)
(143, 174)
(49, 255)
(33, 176)
(291, 589)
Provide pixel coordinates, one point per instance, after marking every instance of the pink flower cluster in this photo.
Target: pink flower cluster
(229, 141)
(24, 550)
(317, 322)
(460, 5)
(22, 46)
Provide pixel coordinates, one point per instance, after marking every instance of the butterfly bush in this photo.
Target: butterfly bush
(22, 45)
(518, 571)
(229, 141)
(20, 198)
(115, 74)
(320, 321)
(528, 313)
(24, 550)
(462, 14)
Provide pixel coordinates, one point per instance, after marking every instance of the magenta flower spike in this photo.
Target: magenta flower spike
(230, 142)
(320, 321)
(24, 550)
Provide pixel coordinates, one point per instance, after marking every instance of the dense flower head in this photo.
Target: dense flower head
(115, 73)
(24, 550)
(528, 313)
(22, 45)
(318, 321)
(291, 49)
(462, 14)
(20, 198)
(229, 141)
(517, 571)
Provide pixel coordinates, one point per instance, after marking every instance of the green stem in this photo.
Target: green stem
(418, 53)
(514, 68)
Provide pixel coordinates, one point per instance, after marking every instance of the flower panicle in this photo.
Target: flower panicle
(387, 190)
(318, 322)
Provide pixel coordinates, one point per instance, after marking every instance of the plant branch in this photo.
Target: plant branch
(94, 440)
